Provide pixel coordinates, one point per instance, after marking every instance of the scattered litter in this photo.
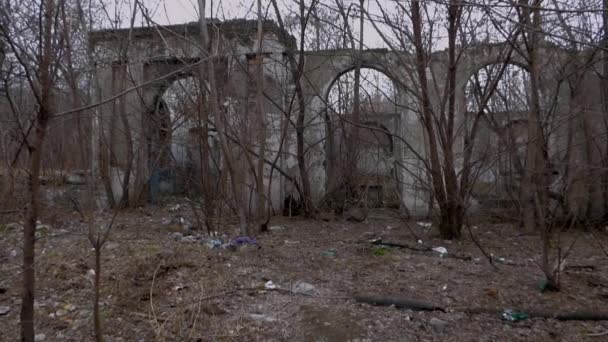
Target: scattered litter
(4, 310)
(276, 228)
(441, 250)
(179, 287)
(214, 243)
(289, 242)
(425, 224)
(243, 240)
(330, 253)
(91, 276)
(438, 325)
(543, 285)
(514, 316)
(270, 285)
(420, 242)
(175, 208)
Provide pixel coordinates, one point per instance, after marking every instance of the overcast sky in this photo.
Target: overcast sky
(181, 11)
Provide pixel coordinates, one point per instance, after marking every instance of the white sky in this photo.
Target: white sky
(167, 12)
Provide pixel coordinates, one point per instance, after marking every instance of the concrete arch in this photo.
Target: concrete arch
(170, 54)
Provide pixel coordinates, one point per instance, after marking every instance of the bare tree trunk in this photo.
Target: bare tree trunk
(29, 231)
(205, 155)
(427, 118)
(296, 66)
(536, 172)
(96, 287)
(453, 210)
(126, 180)
(353, 135)
(261, 125)
(604, 87)
(218, 119)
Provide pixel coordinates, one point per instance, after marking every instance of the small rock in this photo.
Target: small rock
(212, 309)
(43, 227)
(75, 179)
(84, 313)
(177, 236)
(356, 214)
(61, 312)
(70, 307)
(40, 337)
(327, 216)
(438, 325)
(262, 318)
(111, 245)
(189, 238)
(304, 288)
(4, 310)
(14, 226)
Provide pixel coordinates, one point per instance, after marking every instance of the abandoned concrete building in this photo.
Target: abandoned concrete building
(159, 61)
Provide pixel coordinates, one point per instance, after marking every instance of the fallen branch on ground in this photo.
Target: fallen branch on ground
(398, 303)
(421, 248)
(403, 303)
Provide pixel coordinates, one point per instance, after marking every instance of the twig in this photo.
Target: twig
(159, 327)
(599, 243)
(483, 251)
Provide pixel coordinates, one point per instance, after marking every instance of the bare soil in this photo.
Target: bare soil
(157, 286)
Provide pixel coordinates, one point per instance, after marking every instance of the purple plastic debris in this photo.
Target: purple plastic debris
(243, 240)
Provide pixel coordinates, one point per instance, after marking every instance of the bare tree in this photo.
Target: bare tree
(40, 70)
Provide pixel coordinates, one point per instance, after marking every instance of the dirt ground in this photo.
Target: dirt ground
(162, 285)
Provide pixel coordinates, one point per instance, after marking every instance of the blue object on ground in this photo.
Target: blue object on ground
(243, 240)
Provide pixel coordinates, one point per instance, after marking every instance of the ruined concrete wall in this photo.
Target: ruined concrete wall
(156, 58)
(574, 121)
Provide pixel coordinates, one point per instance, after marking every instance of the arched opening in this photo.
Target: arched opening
(364, 135)
(497, 95)
(174, 139)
